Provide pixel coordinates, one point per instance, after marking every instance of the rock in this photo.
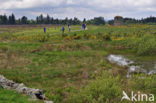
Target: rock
(133, 68)
(120, 60)
(152, 72)
(21, 88)
(137, 69)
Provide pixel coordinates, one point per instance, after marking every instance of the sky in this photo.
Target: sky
(79, 8)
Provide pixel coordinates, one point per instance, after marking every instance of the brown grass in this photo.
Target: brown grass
(12, 60)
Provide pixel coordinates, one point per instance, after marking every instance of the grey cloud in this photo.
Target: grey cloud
(80, 8)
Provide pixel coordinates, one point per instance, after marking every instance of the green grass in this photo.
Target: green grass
(7, 96)
(72, 67)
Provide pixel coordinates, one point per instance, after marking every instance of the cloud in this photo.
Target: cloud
(12, 4)
(4, 11)
(79, 8)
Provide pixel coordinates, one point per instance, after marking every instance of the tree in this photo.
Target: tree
(99, 21)
(111, 22)
(56, 21)
(24, 20)
(32, 21)
(66, 20)
(48, 19)
(18, 21)
(0, 19)
(52, 20)
(37, 20)
(70, 21)
(4, 19)
(76, 21)
(12, 19)
(40, 19)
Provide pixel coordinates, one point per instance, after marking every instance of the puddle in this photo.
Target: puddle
(134, 66)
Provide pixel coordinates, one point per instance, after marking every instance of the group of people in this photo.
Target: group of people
(63, 28)
(84, 27)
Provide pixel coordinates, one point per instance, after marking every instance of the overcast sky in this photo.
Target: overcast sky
(79, 8)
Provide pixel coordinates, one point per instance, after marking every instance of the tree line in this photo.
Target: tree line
(11, 20)
(148, 20)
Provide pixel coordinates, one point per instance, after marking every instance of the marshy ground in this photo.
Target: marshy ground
(73, 67)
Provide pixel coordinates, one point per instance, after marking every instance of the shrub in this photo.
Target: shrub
(43, 38)
(68, 38)
(145, 45)
(94, 37)
(77, 37)
(146, 83)
(87, 36)
(64, 35)
(106, 37)
(104, 89)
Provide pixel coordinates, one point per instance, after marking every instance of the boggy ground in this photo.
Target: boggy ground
(73, 67)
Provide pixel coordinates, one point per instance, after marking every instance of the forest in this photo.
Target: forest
(11, 20)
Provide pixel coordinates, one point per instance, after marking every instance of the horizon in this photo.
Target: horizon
(75, 17)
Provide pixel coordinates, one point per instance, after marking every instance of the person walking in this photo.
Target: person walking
(44, 29)
(83, 26)
(69, 27)
(63, 29)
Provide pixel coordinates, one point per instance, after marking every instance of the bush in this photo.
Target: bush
(77, 37)
(145, 45)
(64, 35)
(68, 38)
(106, 37)
(87, 36)
(146, 83)
(104, 89)
(43, 38)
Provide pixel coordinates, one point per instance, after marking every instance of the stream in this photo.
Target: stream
(148, 68)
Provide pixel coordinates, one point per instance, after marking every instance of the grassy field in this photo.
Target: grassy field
(72, 67)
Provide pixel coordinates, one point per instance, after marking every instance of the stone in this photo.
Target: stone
(21, 88)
